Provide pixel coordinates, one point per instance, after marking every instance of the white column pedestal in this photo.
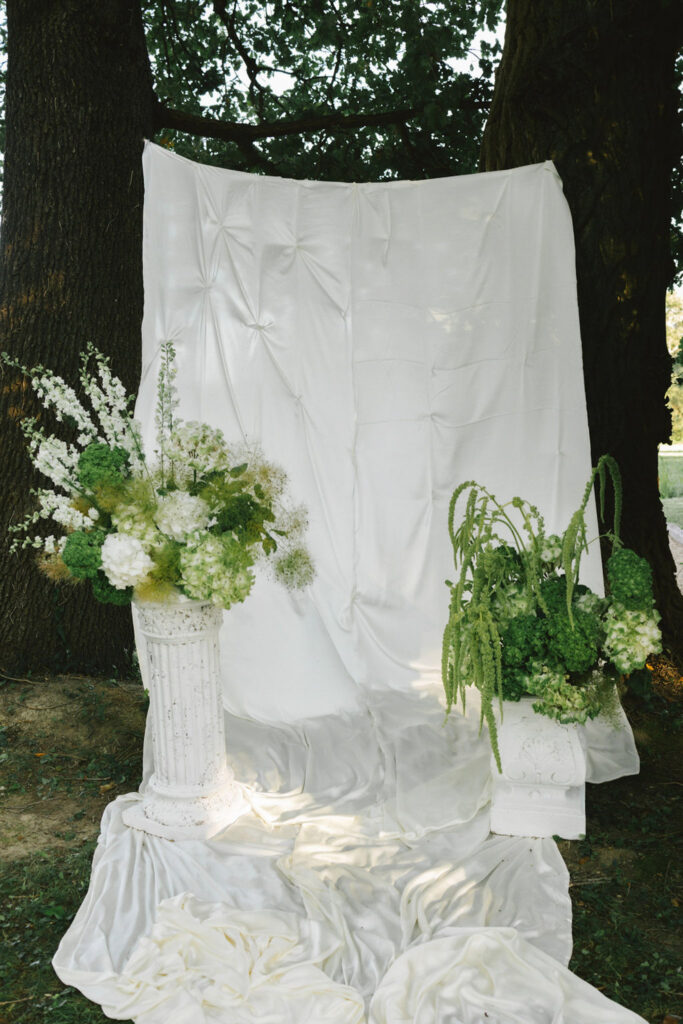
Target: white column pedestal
(191, 794)
(541, 791)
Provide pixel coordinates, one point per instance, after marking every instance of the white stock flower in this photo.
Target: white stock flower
(179, 514)
(124, 561)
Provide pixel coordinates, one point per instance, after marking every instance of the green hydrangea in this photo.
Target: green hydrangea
(632, 635)
(216, 569)
(104, 592)
(99, 465)
(630, 580)
(82, 553)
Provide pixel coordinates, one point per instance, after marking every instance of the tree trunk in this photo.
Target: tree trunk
(79, 103)
(591, 86)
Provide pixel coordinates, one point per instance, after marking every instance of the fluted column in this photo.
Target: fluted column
(191, 793)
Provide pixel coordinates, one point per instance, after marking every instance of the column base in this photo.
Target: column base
(186, 815)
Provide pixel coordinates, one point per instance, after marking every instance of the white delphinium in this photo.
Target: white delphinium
(631, 637)
(51, 456)
(111, 403)
(179, 514)
(124, 561)
(57, 394)
(59, 508)
(167, 403)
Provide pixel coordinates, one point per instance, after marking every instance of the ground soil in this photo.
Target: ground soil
(69, 745)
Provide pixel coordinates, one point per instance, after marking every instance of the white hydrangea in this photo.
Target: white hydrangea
(124, 560)
(631, 637)
(179, 514)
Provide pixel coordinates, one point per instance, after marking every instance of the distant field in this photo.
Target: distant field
(671, 475)
(673, 510)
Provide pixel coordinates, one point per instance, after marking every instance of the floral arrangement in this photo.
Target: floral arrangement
(521, 623)
(194, 520)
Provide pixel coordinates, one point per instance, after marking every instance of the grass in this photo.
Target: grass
(39, 896)
(671, 475)
(626, 882)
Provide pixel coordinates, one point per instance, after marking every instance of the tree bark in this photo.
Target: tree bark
(591, 86)
(79, 104)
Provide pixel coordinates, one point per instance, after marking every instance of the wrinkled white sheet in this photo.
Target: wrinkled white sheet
(383, 342)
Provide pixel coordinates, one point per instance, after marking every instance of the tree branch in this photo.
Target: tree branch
(233, 131)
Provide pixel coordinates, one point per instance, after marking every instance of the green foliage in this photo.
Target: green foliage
(82, 553)
(523, 640)
(99, 465)
(630, 579)
(104, 592)
(573, 644)
(248, 65)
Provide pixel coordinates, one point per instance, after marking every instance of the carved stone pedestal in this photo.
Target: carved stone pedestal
(192, 794)
(541, 791)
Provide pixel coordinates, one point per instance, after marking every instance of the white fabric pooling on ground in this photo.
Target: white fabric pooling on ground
(383, 342)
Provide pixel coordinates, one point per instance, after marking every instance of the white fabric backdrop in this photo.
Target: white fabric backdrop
(383, 342)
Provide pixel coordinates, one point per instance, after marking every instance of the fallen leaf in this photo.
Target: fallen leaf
(43, 754)
(107, 786)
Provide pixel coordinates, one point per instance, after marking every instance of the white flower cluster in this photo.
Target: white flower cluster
(198, 447)
(631, 637)
(53, 545)
(125, 561)
(180, 514)
(215, 569)
(551, 550)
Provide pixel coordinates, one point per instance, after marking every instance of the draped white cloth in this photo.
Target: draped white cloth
(383, 342)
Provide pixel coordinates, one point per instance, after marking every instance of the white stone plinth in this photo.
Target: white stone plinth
(192, 793)
(541, 791)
